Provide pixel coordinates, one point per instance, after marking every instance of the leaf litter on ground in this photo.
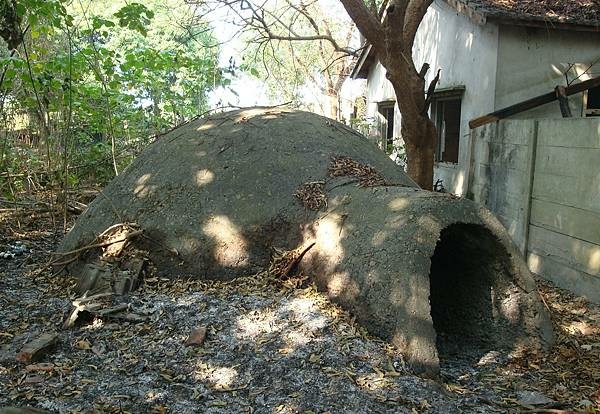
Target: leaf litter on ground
(267, 346)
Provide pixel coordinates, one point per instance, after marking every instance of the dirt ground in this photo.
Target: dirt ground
(270, 347)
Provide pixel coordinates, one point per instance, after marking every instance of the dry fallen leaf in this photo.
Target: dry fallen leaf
(83, 344)
(197, 337)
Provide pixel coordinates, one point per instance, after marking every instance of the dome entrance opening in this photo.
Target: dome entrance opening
(472, 295)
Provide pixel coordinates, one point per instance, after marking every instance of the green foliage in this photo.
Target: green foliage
(94, 81)
(135, 16)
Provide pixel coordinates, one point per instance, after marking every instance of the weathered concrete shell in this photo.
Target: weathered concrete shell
(424, 270)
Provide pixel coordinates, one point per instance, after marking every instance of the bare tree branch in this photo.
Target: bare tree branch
(430, 92)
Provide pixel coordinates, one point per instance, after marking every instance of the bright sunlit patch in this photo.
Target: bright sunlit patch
(379, 238)
(230, 245)
(96, 324)
(328, 235)
(373, 382)
(142, 189)
(286, 408)
(581, 328)
(256, 323)
(152, 396)
(510, 309)
(204, 177)
(306, 310)
(340, 284)
(189, 300)
(429, 225)
(316, 322)
(458, 186)
(301, 306)
(295, 339)
(594, 261)
(534, 263)
(223, 377)
(469, 40)
(206, 125)
(398, 204)
(220, 378)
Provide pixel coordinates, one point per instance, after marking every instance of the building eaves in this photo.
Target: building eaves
(577, 15)
(564, 14)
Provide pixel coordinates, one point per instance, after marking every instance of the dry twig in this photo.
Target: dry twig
(283, 264)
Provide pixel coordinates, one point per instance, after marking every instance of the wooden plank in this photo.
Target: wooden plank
(38, 348)
(531, 157)
(565, 277)
(94, 278)
(531, 103)
(570, 221)
(577, 254)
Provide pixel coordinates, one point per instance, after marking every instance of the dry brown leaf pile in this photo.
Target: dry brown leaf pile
(570, 371)
(312, 195)
(345, 166)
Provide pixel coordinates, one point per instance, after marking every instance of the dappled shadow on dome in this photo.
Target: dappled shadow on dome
(216, 197)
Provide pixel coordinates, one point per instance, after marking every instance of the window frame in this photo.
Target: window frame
(385, 131)
(440, 96)
(590, 112)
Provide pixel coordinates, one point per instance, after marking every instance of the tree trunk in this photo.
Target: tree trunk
(418, 131)
(332, 96)
(420, 141)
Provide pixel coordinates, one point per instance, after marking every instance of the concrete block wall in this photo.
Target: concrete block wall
(500, 167)
(542, 180)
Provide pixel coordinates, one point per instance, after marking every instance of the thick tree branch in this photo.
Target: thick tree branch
(367, 23)
(396, 11)
(414, 15)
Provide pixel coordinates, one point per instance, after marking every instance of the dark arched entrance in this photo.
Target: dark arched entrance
(473, 298)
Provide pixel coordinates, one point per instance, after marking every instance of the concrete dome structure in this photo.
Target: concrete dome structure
(427, 271)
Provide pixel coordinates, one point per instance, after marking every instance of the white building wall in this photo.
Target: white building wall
(532, 61)
(467, 55)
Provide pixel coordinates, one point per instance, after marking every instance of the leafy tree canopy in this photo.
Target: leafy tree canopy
(96, 79)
